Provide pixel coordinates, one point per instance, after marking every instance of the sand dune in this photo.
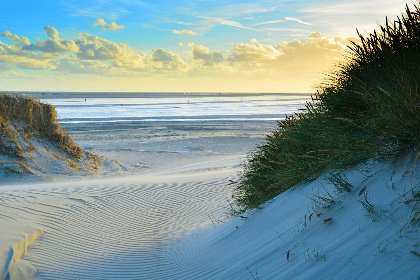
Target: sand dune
(300, 236)
(115, 226)
(175, 226)
(162, 212)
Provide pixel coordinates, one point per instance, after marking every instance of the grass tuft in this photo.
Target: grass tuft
(340, 182)
(369, 107)
(23, 117)
(39, 118)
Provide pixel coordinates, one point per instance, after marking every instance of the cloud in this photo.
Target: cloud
(18, 41)
(297, 20)
(73, 64)
(19, 75)
(53, 44)
(202, 53)
(111, 9)
(298, 58)
(105, 26)
(286, 19)
(226, 22)
(121, 55)
(340, 17)
(292, 64)
(25, 62)
(243, 9)
(184, 32)
(11, 55)
(166, 60)
(254, 54)
(183, 23)
(357, 7)
(294, 30)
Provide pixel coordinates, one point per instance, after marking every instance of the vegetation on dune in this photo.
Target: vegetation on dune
(370, 107)
(23, 117)
(39, 118)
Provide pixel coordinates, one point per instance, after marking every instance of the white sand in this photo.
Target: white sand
(169, 179)
(282, 242)
(164, 215)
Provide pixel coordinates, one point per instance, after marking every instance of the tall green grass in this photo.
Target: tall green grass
(369, 107)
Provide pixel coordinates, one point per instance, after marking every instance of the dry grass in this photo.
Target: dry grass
(24, 166)
(23, 117)
(39, 118)
(9, 143)
(21, 164)
(71, 163)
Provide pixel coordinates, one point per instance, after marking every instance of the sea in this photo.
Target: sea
(100, 107)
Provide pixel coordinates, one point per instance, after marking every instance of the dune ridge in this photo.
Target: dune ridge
(31, 138)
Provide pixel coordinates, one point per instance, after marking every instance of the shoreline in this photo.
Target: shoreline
(49, 95)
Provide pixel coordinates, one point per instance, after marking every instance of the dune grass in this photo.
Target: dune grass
(39, 118)
(369, 107)
(23, 118)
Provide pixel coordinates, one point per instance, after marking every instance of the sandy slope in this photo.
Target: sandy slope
(293, 238)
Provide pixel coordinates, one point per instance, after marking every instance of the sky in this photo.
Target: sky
(180, 45)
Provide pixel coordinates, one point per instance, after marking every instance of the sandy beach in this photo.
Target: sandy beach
(160, 180)
(160, 207)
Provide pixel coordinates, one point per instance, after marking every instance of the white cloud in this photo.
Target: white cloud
(105, 26)
(227, 22)
(286, 19)
(202, 53)
(184, 32)
(95, 48)
(298, 60)
(18, 41)
(343, 17)
(242, 9)
(11, 55)
(357, 7)
(166, 60)
(53, 44)
(292, 63)
(254, 52)
(183, 23)
(297, 20)
(73, 64)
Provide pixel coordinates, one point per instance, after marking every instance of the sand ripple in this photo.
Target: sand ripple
(115, 231)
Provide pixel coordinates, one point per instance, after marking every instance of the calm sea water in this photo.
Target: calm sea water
(79, 107)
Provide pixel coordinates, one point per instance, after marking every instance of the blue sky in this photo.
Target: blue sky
(122, 45)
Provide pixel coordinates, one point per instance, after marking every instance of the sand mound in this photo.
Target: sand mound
(32, 140)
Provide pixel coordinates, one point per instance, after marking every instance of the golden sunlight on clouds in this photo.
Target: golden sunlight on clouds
(184, 32)
(105, 26)
(99, 64)
(53, 44)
